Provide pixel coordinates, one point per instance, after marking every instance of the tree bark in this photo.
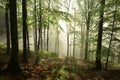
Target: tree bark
(113, 26)
(99, 41)
(82, 48)
(24, 15)
(88, 8)
(7, 27)
(48, 27)
(35, 28)
(57, 41)
(40, 44)
(14, 63)
(74, 33)
(67, 42)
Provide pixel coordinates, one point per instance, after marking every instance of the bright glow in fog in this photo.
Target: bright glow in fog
(52, 34)
(63, 25)
(63, 38)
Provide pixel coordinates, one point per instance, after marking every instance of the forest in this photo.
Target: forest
(59, 40)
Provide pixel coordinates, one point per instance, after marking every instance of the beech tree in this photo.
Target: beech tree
(99, 40)
(7, 26)
(14, 63)
(25, 30)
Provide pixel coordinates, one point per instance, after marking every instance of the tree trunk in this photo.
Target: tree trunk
(113, 26)
(35, 27)
(48, 27)
(57, 41)
(86, 44)
(87, 18)
(99, 41)
(74, 33)
(38, 43)
(67, 42)
(44, 42)
(24, 15)
(40, 27)
(28, 43)
(7, 27)
(14, 63)
(82, 48)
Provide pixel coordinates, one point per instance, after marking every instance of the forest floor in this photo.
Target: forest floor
(59, 69)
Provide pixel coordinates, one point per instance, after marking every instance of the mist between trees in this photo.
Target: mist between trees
(80, 29)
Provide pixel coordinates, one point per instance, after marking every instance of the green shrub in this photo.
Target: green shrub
(46, 54)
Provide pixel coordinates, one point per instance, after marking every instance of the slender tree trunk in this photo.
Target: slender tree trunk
(41, 38)
(7, 26)
(82, 48)
(28, 43)
(88, 18)
(69, 2)
(99, 41)
(25, 31)
(39, 42)
(113, 26)
(74, 34)
(67, 42)
(48, 38)
(86, 44)
(35, 27)
(57, 41)
(48, 27)
(74, 45)
(58, 44)
(14, 63)
(40, 27)
(44, 39)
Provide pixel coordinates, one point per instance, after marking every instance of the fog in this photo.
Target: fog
(59, 47)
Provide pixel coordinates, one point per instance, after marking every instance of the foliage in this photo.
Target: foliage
(2, 8)
(46, 54)
(2, 44)
(61, 69)
(53, 68)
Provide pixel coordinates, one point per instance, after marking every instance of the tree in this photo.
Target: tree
(25, 30)
(67, 4)
(49, 2)
(88, 12)
(40, 44)
(74, 33)
(111, 38)
(14, 63)
(35, 27)
(7, 26)
(57, 41)
(87, 19)
(99, 40)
